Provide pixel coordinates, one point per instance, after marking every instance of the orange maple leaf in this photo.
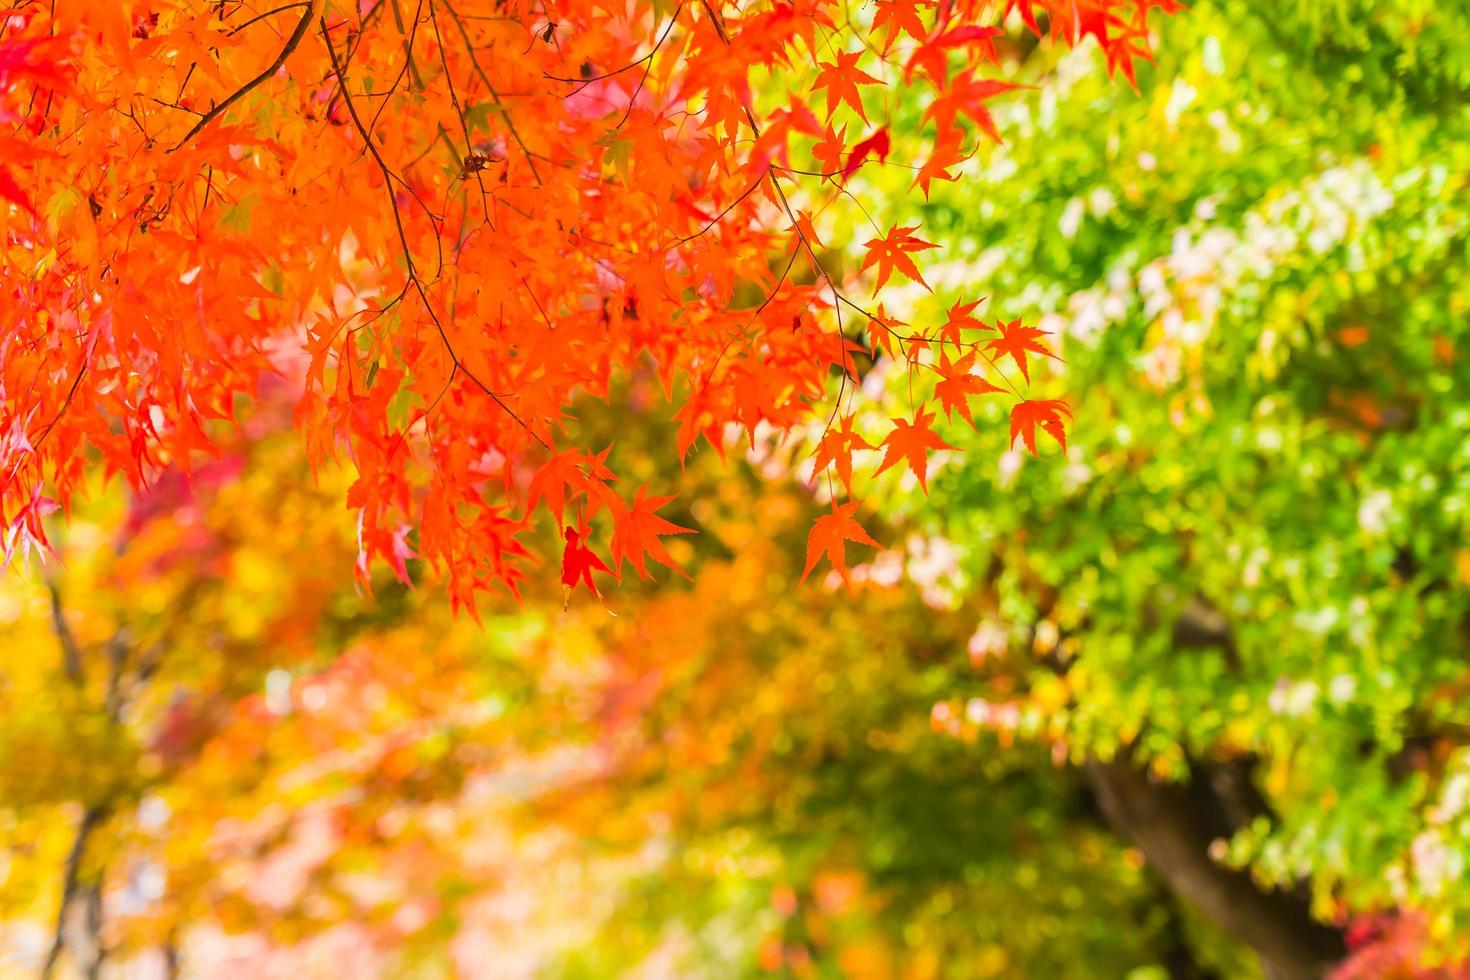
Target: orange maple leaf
(966, 95)
(1046, 413)
(836, 448)
(899, 15)
(892, 252)
(946, 154)
(804, 226)
(841, 80)
(959, 385)
(829, 536)
(960, 318)
(563, 470)
(883, 330)
(830, 150)
(636, 532)
(1016, 340)
(912, 442)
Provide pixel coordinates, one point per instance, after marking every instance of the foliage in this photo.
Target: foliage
(1246, 280)
(773, 748)
(444, 225)
(1252, 545)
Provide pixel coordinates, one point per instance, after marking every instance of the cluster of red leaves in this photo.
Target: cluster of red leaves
(1393, 946)
(447, 222)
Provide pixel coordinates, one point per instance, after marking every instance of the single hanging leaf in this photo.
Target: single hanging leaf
(830, 150)
(571, 469)
(636, 533)
(892, 252)
(876, 145)
(911, 442)
(960, 319)
(829, 536)
(578, 562)
(1016, 340)
(967, 96)
(946, 154)
(1026, 416)
(896, 16)
(836, 448)
(841, 80)
(959, 385)
(884, 331)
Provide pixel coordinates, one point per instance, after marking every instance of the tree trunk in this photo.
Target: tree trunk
(1173, 826)
(79, 919)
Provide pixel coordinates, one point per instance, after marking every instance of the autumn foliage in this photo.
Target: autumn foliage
(445, 223)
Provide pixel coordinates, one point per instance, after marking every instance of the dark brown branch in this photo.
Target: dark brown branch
(1168, 822)
(269, 13)
(586, 80)
(291, 44)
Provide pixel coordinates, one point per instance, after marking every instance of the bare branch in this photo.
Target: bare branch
(71, 653)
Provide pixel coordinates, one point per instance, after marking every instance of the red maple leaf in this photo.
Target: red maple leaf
(829, 150)
(884, 330)
(578, 562)
(841, 80)
(836, 449)
(574, 469)
(1046, 413)
(875, 145)
(966, 95)
(933, 55)
(946, 154)
(899, 15)
(961, 318)
(11, 191)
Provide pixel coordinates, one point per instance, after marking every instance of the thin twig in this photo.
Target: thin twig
(291, 44)
(413, 276)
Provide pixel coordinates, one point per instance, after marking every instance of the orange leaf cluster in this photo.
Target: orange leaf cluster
(439, 223)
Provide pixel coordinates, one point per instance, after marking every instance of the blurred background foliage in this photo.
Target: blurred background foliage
(217, 759)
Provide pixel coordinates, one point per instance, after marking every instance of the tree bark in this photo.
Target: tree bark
(79, 919)
(1173, 825)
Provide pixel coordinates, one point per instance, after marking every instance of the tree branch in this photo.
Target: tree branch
(291, 44)
(71, 653)
(71, 885)
(1169, 823)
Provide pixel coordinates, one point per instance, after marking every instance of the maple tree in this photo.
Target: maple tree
(1236, 597)
(1238, 591)
(445, 224)
(207, 739)
(253, 770)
